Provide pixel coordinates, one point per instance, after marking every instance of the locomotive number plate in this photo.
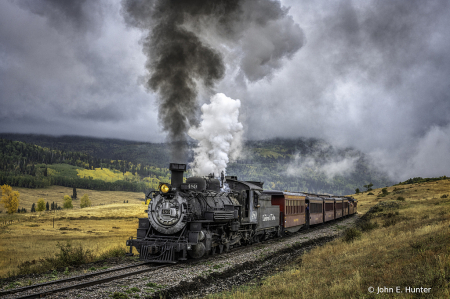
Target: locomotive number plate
(165, 211)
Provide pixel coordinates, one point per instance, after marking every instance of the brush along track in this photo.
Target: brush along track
(41, 290)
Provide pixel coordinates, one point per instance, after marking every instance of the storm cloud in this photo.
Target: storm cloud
(181, 59)
(372, 75)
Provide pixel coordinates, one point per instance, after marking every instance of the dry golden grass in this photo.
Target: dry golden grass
(56, 194)
(410, 248)
(98, 228)
(412, 192)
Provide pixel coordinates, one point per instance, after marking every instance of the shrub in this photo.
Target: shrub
(68, 256)
(401, 198)
(444, 196)
(40, 205)
(367, 225)
(370, 193)
(112, 252)
(390, 221)
(351, 234)
(85, 201)
(118, 295)
(72, 256)
(68, 202)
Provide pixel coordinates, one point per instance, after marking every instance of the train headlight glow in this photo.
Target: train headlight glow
(164, 188)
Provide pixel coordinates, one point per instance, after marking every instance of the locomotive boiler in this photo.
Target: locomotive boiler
(197, 218)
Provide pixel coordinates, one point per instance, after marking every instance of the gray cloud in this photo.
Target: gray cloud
(71, 62)
(368, 74)
(372, 75)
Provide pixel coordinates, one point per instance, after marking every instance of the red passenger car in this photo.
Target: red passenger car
(338, 204)
(292, 209)
(316, 208)
(328, 214)
(345, 207)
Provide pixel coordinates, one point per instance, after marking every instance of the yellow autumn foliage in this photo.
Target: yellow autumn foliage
(85, 201)
(40, 205)
(10, 199)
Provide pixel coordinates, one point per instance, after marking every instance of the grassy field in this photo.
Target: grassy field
(56, 194)
(32, 236)
(402, 245)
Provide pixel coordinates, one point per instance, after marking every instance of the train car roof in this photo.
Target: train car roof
(248, 184)
(275, 192)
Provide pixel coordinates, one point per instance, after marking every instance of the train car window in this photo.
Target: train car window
(246, 199)
(316, 208)
(328, 206)
(255, 198)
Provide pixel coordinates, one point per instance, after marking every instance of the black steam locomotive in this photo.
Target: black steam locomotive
(197, 218)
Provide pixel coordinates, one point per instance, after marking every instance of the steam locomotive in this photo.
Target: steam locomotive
(197, 218)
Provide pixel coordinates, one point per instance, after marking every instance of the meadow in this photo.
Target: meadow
(402, 241)
(33, 236)
(400, 246)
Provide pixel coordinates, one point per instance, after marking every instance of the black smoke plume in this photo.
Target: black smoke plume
(180, 58)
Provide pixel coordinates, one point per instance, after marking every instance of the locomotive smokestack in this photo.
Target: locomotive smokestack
(177, 174)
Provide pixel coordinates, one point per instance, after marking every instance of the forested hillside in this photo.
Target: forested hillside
(308, 165)
(28, 165)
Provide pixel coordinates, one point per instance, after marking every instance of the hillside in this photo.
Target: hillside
(400, 249)
(309, 165)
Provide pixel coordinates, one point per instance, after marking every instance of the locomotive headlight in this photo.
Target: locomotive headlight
(164, 188)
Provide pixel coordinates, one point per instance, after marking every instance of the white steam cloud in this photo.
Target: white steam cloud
(323, 159)
(219, 136)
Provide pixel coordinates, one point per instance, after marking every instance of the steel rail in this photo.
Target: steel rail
(74, 278)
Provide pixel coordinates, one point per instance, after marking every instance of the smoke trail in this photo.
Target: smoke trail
(181, 59)
(178, 59)
(219, 135)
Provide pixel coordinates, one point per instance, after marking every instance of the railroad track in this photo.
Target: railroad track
(84, 281)
(78, 282)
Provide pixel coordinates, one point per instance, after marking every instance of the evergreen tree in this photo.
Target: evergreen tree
(33, 207)
(47, 207)
(74, 196)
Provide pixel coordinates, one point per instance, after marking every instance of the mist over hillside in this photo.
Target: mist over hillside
(302, 164)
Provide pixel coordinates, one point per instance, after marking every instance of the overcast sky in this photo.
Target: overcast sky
(374, 75)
